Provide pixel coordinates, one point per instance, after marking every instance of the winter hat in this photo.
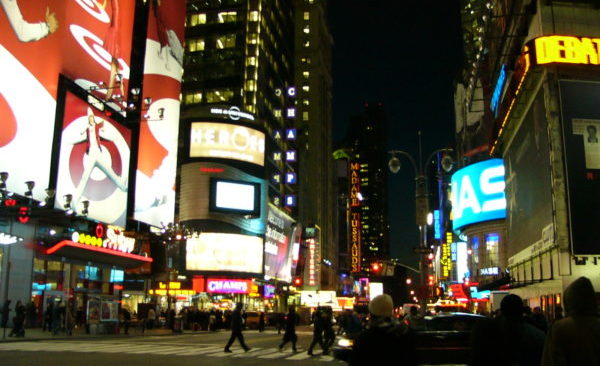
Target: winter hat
(382, 305)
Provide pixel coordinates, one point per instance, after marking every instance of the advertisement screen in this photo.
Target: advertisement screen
(581, 123)
(235, 196)
(528, 181)
(227, 141)
(225, 253)
(93, 163)
(278, 246)
(478, 193)
(159, 127)
(88, 41)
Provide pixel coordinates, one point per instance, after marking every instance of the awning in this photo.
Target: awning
(71, 249)
(494, 285)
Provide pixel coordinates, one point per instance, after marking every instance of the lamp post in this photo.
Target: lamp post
(421, 204)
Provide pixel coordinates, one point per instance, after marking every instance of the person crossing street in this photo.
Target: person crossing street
(237, 324)
(290, 329)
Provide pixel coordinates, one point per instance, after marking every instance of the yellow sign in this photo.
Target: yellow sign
(567, 49)
(163, 292)
(446, 260)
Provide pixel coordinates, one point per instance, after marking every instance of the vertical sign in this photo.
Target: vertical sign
(446, 257)
(354, 216)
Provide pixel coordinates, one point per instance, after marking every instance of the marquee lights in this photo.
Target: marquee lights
(114, 239)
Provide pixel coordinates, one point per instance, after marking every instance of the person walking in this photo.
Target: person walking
(57, 317)
(151, 318)
(521, 343)
(126, 320)
(385, 337)
(317, 320)
(575, 339)
(237, 324)
(18, 320)
(290, 329)
(48, 316)
(328, 332)
(261, 322)
(69, 318)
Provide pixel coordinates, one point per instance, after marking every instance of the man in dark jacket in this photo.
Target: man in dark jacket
(508, 339)
(237, 324)
(290, 329)
(385, 338)
(575, 339)
(318, 328)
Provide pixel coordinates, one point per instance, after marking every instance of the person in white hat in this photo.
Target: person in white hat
(385, 337)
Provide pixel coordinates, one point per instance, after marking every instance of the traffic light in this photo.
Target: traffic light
(376, 267)
(297, 281)
(430, 281)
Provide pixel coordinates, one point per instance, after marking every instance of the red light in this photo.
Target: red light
(376, 267)
(23, 214)
(10, 202)
(212, 170)
(118, 287)
(297, 281)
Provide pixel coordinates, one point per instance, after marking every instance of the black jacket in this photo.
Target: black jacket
(385, 339)
(237, 322)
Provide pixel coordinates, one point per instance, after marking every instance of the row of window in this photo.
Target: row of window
(209, 96)
(220, 42)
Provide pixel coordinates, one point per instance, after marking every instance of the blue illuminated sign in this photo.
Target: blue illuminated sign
(498, 90)
(290, 178)
(478, 193)
(437, 229)
(290, 200)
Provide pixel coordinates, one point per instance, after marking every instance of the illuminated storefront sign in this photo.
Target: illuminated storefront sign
(233, 113)
(269, 291)
(171, 289)
(567, 50)
(312, 262)
(222, 140)
(114, 239)
(7, 239)
(497, 95)
(225, 252)
(437, 222)
(224, 286)
(354, 184)
(478, 193)
(445, 260)
(490, 271)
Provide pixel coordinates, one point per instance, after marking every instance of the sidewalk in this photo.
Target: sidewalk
(36, 334)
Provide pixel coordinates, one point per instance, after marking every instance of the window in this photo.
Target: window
(227, 17)
(254, 17)
(306, 43)
(195, 45)
(226, 41)
(251, 61)
(251, 85)
(305, 102)
(491, 245)
(305, 88)
(306, 29)
(306, 15)
(192, 98)
(277, 113)
(197, 19)
(305, 74)
(253, 38)
(305, 60)
(305, 116)
(219, 95)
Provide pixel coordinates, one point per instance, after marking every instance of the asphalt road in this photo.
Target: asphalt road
(177, 350)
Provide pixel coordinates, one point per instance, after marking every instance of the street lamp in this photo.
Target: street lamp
(421, 203)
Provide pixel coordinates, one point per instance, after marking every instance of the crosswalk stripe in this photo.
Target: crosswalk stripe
(299, 356)
(200, 351)
(221, 353)
(277, 354)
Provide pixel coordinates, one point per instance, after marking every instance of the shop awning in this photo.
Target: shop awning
(494, 285)
(71, 249)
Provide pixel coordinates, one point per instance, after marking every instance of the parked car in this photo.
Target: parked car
(252, 319)
(444, 339)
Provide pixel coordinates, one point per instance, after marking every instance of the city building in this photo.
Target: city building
(317, 201)
(531, 68)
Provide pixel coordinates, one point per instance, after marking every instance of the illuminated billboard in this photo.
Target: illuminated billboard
(39, 40)
(93, 162)
(566, 50)
(227, 141)
(278, 245)
(159, 127)
(220, 252)
(233, 196)
(478, 193)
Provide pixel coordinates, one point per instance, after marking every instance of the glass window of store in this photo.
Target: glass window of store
(475, 248)
(491, 246)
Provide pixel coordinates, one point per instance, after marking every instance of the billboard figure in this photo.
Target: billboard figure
(112, 44)
(96, 158)
(592, 134)
(169, 42)
(25, 31)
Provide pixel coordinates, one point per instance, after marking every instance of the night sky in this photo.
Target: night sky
(406, 55)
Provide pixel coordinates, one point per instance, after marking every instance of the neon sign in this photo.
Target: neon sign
(229, 286)
(114, 239)
(312, 262)
(498, 90)
(478, 193)
(567, 50)
(446, 260)
(355, 226)
(8, 239)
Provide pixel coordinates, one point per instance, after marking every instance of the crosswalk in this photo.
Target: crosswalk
(209, 350)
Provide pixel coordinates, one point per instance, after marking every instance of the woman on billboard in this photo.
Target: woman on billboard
(25, 31)
(96, 157)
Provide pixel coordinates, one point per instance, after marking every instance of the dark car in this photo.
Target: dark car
(444, 339)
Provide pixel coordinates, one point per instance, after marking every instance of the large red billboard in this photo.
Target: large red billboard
(157, 155)
(93, 162)
(89, 41)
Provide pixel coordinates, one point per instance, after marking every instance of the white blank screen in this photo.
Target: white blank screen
(235, 196)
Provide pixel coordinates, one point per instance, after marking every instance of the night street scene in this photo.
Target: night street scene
(299, 182)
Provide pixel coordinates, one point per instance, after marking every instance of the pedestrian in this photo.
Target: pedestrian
(19, 320)
(521, 343)
(57, 317)
(317, 320)
(236, 328)
(575, 339)
(280, 322)
(328, 332)
(353, 324)
(538, 320)
(385, 337)
(69, 318)
(151, 318)
(5, 314)
(48, 316)
(31, 315)
(126, 320)
(261, 321)
(414, 320)
(290, 329)
(212, 321)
